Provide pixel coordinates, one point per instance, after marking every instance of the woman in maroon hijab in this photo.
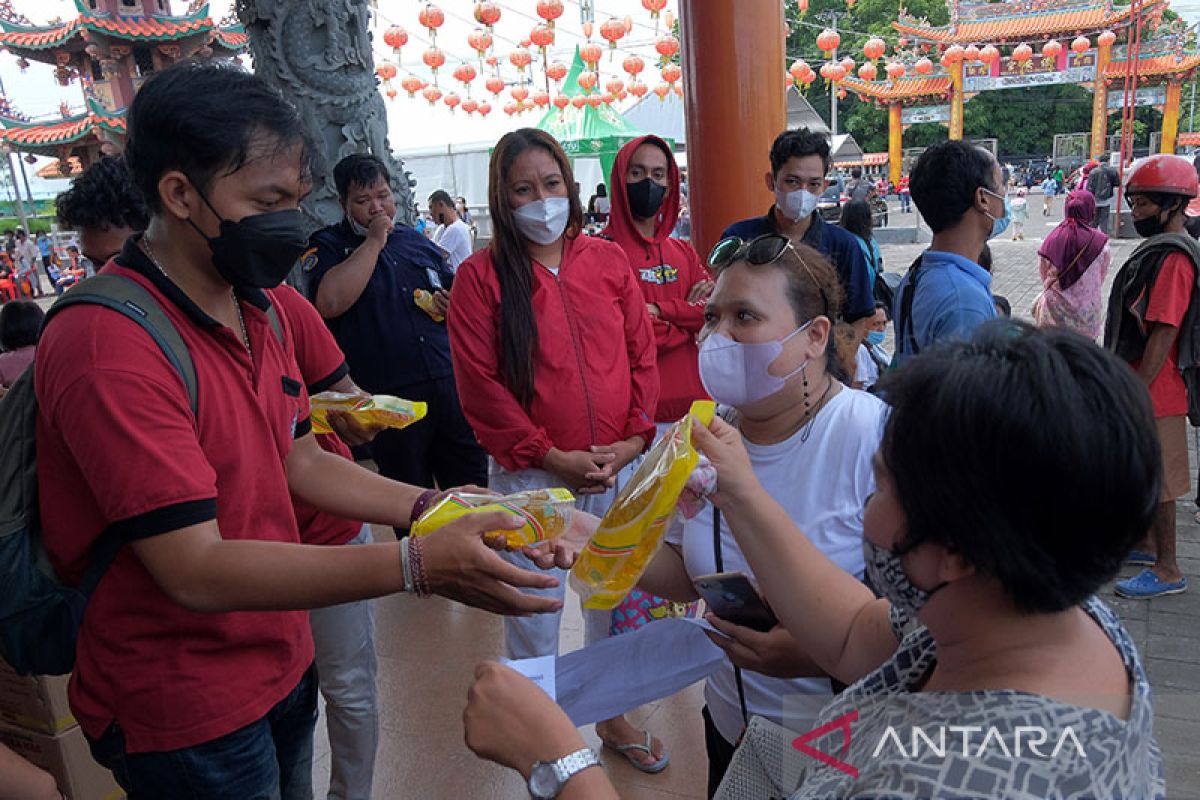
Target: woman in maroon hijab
(1074, 260)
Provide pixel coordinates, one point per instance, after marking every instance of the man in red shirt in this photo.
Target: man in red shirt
(193, 665)
(1152, 312)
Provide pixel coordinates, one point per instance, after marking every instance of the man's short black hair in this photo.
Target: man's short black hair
(103, 196)
(799, 143)
(358, 169)
(20, 321)
(980, 437)
(1002, 305)
(856, 172)
(203, 119)
(944, 181)
(443, 197)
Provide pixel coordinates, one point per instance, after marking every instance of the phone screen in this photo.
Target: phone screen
(732, 596)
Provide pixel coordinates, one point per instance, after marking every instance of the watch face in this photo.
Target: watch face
(543, 780)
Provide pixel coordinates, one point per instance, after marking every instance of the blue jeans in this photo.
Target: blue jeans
(270, 759)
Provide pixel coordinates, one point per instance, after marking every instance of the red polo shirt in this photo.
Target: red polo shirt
(321, 366)
(119, 447)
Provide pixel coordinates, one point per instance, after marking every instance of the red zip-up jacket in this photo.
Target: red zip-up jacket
(667, 269)
(595, 381)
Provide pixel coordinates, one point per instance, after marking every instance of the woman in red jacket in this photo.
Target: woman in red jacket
(555, 362)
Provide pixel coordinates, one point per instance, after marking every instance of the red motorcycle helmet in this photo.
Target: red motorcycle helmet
(1163, 174)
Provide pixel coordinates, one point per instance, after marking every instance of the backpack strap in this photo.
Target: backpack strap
(127, 297)
(907, 331)
(273, 318)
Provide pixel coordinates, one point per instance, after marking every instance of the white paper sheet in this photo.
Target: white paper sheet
(541, 670)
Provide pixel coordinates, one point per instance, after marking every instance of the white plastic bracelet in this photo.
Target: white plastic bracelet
(409, 586)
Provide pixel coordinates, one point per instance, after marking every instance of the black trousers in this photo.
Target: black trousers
(440, 451)
(720, 753)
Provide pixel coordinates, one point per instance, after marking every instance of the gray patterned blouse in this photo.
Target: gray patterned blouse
(983, 744)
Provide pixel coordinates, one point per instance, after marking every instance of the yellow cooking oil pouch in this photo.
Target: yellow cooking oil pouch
(378, 409)
(545, 512)
(632, 531)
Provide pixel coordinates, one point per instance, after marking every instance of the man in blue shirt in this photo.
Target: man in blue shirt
(364, 275)
(800, 160)
(960, 192)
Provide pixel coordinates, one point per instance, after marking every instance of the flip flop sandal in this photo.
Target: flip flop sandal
(626, 749)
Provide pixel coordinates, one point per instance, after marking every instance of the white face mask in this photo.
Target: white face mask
(361, 230)
(543, 221)
(796, 205)
(737, 375)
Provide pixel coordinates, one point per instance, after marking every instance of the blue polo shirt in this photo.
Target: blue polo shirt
(954, 297)
(838, 245)
(389, 342)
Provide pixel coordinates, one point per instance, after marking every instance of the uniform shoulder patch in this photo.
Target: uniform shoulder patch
(308, 260)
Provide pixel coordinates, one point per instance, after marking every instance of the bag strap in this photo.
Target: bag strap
(907, 330)
(127, 297)
(720, 562)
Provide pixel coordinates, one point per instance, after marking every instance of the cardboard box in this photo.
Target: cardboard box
(36, 703)
(67, 757)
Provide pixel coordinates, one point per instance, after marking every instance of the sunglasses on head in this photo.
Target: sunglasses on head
(765, 249)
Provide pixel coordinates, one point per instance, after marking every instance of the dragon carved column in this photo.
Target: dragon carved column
(318, 52)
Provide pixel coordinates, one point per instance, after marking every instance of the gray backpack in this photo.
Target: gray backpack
(39, 614)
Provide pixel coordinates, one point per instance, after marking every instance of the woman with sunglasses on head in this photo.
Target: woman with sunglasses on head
(767, 351)
(555, 358)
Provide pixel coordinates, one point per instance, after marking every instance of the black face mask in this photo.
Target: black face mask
(645, 198)
(259, 250)
(1150, 226)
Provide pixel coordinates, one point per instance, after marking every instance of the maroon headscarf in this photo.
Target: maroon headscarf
(1074, 244)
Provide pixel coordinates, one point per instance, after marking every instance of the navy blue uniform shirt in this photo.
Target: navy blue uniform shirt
(389, 342)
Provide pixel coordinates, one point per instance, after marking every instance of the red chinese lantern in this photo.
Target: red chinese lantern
(594, 100)
(989, 54)
(412, 84)
(561, 101)
(591, 53)
(638, 89)
(633, 65)
(386, 70)
(520, 58)
(954, 54)
(541, 98)
(616, 86)
(923, 66)
(485, 108)
(556, 71)
(494, 84)
(797, 70)
(671, 73)
(1021, 54)
(1081, 44)
(432, 94)
(867, 72)
(827, 41)
(433, 58)
(550, 10)
(613, 31)
(847, 65)
(587, 29)
(487, 13)
(945, 61)
(970, 54)
(1052, 48)
(470, 106)
(578, 101)
(542, 36)
(452, 100)
(491, 60)
(1106, 39)
(895, 71)
(464, 73)
(519, 93)
(395, 37)
(655, 7)
(667, 46)
(432, 18)
(669, 19)
(874, 48)
(480, 41)
(662, 90)
(802, 5)
(608, 98)
(510, 108)
(588, 80)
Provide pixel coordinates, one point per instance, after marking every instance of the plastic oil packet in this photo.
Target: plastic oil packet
(632, 530)
(379, 409)
(545, 512)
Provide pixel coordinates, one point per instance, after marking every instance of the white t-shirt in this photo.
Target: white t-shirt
(866, 370)
(823, 484)
(455, 239)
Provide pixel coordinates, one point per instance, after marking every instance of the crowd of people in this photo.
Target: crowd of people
(905, 518)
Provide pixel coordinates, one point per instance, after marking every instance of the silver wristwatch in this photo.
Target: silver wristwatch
(547, 778)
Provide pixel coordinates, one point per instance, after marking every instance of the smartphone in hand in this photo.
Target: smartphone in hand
(732, 596)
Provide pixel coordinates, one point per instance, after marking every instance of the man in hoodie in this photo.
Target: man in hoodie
(645, 207)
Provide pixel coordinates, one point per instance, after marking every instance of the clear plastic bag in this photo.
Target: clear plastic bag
(546, 513)
(379, 409)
